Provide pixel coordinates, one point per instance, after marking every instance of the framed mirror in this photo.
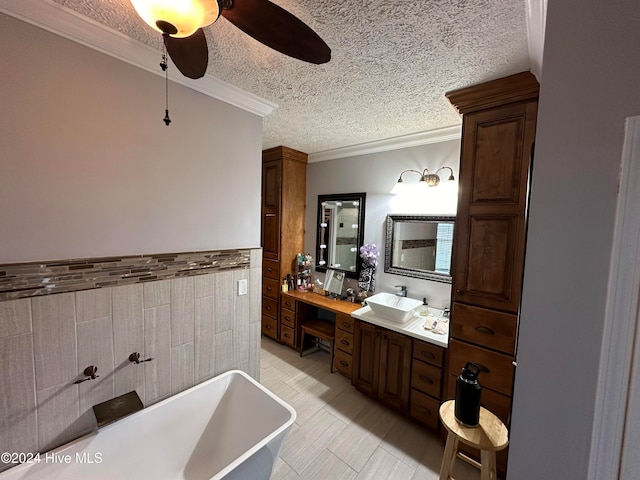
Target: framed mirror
(419, 246)
(340, 232)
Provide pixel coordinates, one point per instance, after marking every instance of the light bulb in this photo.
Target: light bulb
(185, 15)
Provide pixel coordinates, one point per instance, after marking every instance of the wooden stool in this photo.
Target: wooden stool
(489, 436)
(321, 330)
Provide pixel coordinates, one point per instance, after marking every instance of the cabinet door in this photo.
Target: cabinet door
(270, 235)
(395, 370)
(271, 178)
(489, 243)
(365, 358)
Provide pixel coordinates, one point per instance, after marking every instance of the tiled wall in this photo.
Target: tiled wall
(194, 327)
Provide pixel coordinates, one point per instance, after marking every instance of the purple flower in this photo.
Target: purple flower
(369, 254)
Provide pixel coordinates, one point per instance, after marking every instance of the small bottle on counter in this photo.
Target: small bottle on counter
(424, 310)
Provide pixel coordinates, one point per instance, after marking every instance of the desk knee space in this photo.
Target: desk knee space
(320, 330)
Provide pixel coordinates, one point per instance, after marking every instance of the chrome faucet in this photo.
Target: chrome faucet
(403, 290)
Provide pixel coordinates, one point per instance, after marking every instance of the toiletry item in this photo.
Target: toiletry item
(424, 311)
(285, 285)
(435, 324)
(468, 393)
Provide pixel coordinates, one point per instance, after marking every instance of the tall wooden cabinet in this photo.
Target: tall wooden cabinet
(284, 177)
(498, 132)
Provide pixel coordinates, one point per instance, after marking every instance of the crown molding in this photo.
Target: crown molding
(413, 140)
(66, 23)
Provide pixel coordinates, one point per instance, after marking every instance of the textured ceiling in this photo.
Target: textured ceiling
(391, 63)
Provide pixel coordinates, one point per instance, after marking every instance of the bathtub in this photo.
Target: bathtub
(228, 427)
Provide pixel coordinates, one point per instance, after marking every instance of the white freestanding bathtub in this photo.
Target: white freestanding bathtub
(228, 427)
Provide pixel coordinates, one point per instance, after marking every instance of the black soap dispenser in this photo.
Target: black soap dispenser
(468, 393)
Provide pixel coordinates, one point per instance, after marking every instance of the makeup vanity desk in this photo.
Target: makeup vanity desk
(298, 307)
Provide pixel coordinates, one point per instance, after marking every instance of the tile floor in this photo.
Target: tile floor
(340, 433)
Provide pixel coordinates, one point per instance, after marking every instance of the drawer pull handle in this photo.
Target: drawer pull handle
(268, 327)
(268, 308)
(459, 292)
(425, 410)
(485, 330)
(344, 342)
(286, 335)
(269, 289)
(287, 318)
(269, 269)
(426, 379)
(287, 304)
(346, 324)
(343, 363)
(427, 354)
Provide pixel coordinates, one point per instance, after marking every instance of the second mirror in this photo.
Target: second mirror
(340, 232)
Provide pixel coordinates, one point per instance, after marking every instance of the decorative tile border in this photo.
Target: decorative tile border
(19, 280)
(424, 243)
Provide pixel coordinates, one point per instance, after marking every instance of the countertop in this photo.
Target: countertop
(413, 328)
(332, 304)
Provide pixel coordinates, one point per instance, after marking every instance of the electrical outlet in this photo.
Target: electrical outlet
(242, 286)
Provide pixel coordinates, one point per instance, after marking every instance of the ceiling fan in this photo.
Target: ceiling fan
(181, 23)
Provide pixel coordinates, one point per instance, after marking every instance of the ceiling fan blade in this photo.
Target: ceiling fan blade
(276, 28)
(190, 54)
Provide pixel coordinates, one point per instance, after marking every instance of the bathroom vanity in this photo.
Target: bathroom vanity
(400, 365)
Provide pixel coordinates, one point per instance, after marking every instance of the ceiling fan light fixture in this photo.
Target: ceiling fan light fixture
(185, 15)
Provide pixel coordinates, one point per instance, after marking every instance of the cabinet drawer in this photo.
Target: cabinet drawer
(427, 352)
(343, 363)
(269, 307)
(287, 317)
(269, 327)
(287, 335)
(424, 409)
(345, 322)
(496, 369)
(270, 287)
(288, 302)
(344, 341)
(426, 378)
(271, 269)
(491, 329)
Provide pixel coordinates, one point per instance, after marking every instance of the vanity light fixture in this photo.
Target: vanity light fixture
(427, 179)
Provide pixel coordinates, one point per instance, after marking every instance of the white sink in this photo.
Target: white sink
(392, 307)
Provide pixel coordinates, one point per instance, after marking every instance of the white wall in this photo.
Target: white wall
(89, 169)
(376, 174)
(589, 85)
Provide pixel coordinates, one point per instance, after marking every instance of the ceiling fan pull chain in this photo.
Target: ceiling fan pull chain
(165, 69)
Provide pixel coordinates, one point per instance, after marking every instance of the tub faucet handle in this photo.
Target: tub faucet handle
(135, 358)
(90, 374)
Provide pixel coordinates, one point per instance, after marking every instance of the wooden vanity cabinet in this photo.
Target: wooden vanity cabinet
(399, 371)
(498, 133)
(284, 174)
(382, 365)
(426, 383)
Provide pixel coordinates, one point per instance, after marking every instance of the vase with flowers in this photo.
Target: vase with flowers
(369, 255)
